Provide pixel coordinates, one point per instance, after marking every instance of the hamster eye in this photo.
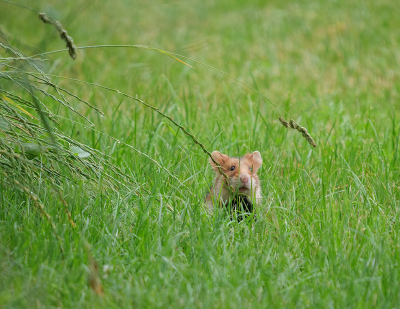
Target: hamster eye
(250, 168)
(232, 168)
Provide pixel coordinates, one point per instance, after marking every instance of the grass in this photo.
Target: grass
(327, 233)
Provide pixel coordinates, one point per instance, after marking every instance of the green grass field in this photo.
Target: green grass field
(327, 234)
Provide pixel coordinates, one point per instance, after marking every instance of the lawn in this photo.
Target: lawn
(327, 231)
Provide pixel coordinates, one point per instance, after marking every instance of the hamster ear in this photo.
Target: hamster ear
(257, 160)
(219, 158)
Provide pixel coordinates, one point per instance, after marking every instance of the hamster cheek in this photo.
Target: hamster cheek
(234, 182)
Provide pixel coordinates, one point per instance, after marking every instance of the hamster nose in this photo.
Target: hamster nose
(244, 178)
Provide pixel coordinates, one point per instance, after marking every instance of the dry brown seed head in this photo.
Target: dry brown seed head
(293, 124)
(284, 122)
(299, 128)
(72, 50)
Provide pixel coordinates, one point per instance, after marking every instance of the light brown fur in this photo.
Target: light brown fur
(243, 178)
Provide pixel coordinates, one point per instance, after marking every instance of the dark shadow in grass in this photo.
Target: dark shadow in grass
(241, 208)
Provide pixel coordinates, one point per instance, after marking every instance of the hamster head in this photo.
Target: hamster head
(241, 172)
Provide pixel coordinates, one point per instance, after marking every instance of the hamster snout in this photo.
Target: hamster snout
(244, 179)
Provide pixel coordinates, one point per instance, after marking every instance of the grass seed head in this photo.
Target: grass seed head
(72, 50)
(299, 128)
(284, 122)
(293, 125)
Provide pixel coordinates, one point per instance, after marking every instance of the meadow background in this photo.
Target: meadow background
(327, 234)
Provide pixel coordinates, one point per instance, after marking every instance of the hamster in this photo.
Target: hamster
(242, 177)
